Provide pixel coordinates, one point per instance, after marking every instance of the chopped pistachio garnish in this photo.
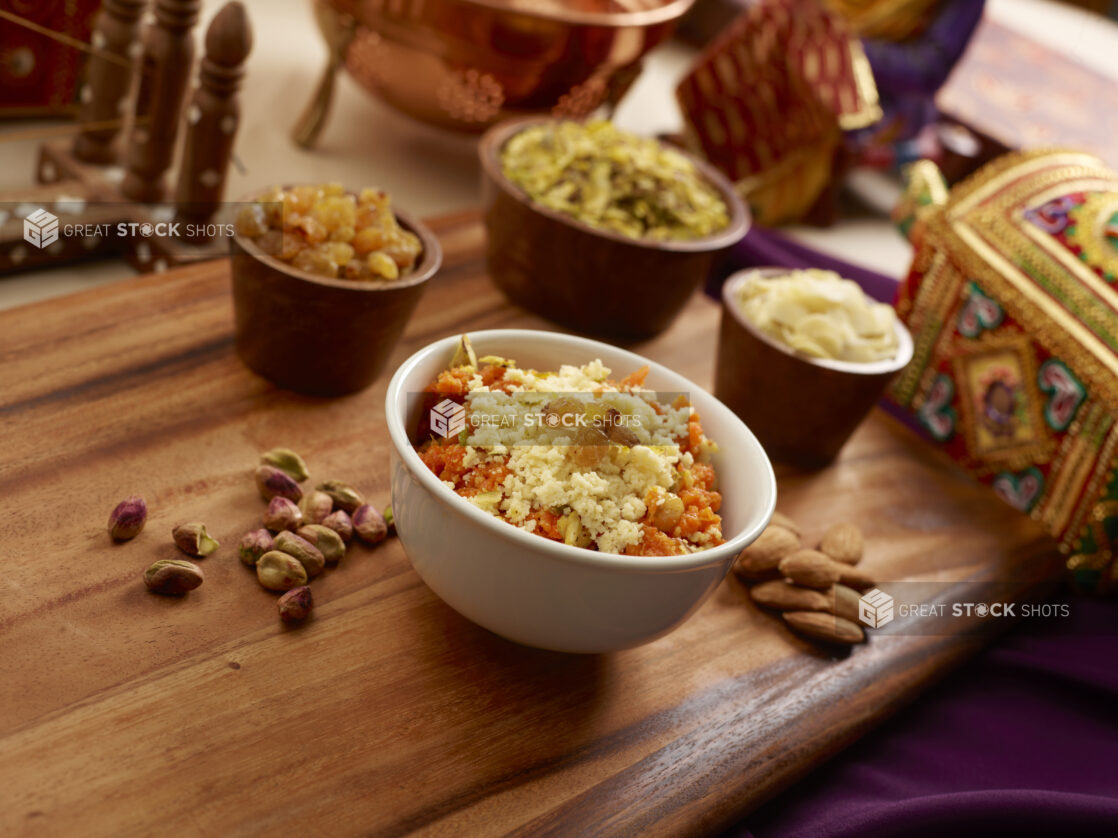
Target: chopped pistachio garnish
(608, 178)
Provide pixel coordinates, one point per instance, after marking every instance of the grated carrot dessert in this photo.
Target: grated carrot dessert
(575, 456)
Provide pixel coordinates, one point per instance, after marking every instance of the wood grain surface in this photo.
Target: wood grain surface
(124, 713)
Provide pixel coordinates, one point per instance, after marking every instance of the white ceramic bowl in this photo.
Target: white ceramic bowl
(539, 592)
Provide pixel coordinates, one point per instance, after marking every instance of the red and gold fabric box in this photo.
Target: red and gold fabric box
(39, 74)
(1012, 302)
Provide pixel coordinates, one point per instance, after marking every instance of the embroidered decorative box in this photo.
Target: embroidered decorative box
(1013, 307)
(39, 74)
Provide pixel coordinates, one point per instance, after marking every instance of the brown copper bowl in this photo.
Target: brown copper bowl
(801, 409)
(321, 336)
(591, 280)
(466, 64)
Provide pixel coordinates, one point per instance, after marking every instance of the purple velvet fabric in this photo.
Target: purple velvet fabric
(908, 73)
(1021, 741)
(920, 66)
(763, 247)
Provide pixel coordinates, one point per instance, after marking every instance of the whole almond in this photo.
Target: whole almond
(844, 603)
(760, 559)
(778, 594)
(826, 627)
(810, 568)
(854, 577)
(843, 543)
(779, 519)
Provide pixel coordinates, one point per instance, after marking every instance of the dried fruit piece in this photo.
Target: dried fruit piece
(345, 497)
(309, 556)
(173, 577)
(328, 542)
(286, 461)
(760, 559)
(340, 522)
(844, 603)
(254, 545)
(283, 514)
(128, 518)
(278, 571)
(843, 543)
(295, 606)
(826, 627)
(316, 506)
(389, 519)
(810, 568)
(272, 482)
(667, 514)
(193, 539)
(369, 525)
(323, 228)
(778, 594)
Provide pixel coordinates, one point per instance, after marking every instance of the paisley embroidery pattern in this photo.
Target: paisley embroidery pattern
(1052, 217)
(979, 313)
(936, 414)
(1067, 393)
(1022, 490)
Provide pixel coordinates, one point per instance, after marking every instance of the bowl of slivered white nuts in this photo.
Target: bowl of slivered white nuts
(803, 355)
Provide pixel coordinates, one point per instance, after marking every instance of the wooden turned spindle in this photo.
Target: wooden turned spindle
(104, 96)
(168, 55)
(212, 118)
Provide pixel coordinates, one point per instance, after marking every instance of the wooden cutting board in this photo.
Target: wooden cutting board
(125, 713)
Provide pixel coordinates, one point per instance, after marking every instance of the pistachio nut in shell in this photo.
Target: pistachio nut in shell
(173, 577)
(389, 519)
(306, 553)
(328, 542)
(278, 571)
(286, 461)
(193, 539)
(272, 482)
(128, 518)
(340, 522)
(316, 506)
(283, 514)
(344, 496)
(295, 606)
(254, 545)
(369, 525)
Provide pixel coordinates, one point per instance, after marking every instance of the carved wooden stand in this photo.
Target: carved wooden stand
(84, 183)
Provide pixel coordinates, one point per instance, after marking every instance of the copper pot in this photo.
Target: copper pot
(467, 64)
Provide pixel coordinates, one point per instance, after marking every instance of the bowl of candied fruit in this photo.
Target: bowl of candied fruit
(324, 282)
